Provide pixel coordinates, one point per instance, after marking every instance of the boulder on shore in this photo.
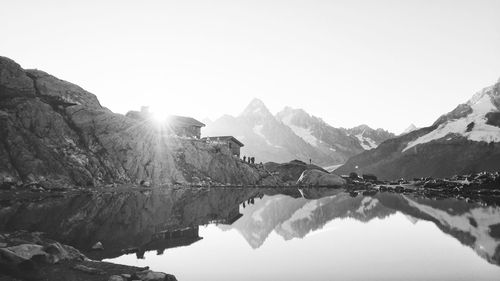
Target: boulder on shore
(318, 177)
(290, 172)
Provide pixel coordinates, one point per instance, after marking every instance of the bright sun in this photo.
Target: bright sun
(159, 115)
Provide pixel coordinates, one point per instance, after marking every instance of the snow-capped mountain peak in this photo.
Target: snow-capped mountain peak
(470, 120)
(300, 122)
(410, 129)
(369, 138)
(256, 108)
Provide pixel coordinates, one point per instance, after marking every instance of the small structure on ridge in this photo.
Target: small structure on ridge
(231, 142)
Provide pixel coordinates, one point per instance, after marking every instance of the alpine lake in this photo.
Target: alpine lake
(245, 233)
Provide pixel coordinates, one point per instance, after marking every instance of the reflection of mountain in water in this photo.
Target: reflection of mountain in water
(475, 226)
(159, 220)
(295, 218)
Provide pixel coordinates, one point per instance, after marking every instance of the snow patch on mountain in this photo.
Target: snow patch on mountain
(365, 142)
(473, 126)
(304, 134)
(257, 129)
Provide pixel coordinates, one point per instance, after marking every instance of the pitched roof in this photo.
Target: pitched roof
(223, 138)
(184, 121)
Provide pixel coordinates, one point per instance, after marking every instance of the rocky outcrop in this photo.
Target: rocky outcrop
(290, 172)
(321, 178)
(56, 134)
(41, 258)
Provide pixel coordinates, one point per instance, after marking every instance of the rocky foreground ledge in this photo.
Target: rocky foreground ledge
(30, 256)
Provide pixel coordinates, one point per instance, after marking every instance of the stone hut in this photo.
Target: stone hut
(185, 126)
(231, 142)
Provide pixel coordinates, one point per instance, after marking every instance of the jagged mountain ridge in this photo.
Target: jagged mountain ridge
(319, 134)
(370, 138)
(294, 134)
(465, 140)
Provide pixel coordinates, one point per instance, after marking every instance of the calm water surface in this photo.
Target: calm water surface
(280, 237)
(269, 234)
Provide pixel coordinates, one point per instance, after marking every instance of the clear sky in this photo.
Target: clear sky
(383, 63)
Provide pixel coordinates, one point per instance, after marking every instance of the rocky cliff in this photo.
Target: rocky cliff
(57, 134)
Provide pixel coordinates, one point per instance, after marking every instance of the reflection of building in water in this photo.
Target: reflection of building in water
(170, 239)
(232, 216)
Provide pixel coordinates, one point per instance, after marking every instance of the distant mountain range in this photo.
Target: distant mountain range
(465, 140)
(294, 134)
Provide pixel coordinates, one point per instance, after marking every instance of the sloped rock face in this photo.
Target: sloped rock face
(50, 87)
(57, 134)
(317, 177)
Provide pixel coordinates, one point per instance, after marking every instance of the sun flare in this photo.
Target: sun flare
(158, 115)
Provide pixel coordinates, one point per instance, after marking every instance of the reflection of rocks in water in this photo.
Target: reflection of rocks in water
(121, 219)
(170, 239)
